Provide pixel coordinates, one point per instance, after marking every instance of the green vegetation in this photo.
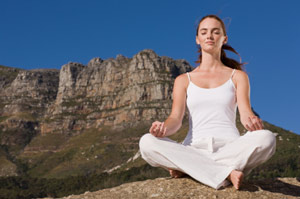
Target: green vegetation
(24, 116)
(70, 103)
(48, 141)
(92, 151)
(3, 118)
(286, 160)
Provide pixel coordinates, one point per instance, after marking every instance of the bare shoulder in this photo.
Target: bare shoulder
(240, 78)
(240, 75)
(181, 81)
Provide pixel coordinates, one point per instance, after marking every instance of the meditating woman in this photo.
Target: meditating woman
(213, 152)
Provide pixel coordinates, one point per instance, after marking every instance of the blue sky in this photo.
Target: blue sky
(48, 34)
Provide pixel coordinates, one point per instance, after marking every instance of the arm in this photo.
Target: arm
(174, 121)
(249, 120)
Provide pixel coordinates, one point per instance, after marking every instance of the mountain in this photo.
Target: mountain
(84, 121)
(61, 116)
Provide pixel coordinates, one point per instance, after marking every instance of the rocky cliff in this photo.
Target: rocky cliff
(115, 93)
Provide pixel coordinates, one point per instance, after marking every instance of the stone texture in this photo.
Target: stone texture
(115, 92)
(118, 92)
(30, 91)
(185, 188)
(24, 99)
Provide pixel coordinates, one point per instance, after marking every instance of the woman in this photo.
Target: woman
(213, 151)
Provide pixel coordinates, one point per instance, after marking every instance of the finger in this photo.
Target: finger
(256, 123)
(152, 128)
(250, 126)
(164, 134)
(260, 124)
(160, 132)
(157, 129)
(158, 125)
(161, 126)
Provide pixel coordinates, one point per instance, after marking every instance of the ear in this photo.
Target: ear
(225, 40)
(197, 41)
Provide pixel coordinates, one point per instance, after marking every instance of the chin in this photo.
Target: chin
(210, 50)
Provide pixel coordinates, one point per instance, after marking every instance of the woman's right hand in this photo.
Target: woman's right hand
(158, 129)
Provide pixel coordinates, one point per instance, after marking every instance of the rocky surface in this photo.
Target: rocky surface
(30, 92)
(118, 93)
(115, 92)
(24, 99)
(187, 188)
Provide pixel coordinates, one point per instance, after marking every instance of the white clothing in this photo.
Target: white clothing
(213, 146)
(212, 112)
(210, 168)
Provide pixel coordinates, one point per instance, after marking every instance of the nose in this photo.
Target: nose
(209, 35)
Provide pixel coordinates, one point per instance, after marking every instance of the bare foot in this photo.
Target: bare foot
(236, 178)
(175, 173)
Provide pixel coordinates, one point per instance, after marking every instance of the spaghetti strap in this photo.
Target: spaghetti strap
(232, 73)
(188, 76)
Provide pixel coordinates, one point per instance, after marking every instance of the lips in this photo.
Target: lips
(209, 42)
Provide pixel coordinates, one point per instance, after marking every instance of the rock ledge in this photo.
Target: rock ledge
(188, 188)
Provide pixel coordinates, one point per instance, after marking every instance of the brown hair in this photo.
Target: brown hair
(224, 59)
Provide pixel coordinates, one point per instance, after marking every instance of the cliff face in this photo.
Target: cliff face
(117, 93)
(24, 99)
(30, 92)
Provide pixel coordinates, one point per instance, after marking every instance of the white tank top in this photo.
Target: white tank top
(212, 111)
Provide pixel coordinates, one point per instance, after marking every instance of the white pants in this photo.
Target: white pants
(211, 160)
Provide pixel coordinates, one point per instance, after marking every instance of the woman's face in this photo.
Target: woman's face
(211, 35)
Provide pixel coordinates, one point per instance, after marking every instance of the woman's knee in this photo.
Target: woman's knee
(266, 138)
(146, 142)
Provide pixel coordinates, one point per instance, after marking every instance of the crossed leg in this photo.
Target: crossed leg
(230, 162)
(235, 177)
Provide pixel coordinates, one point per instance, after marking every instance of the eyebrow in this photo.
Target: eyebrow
(212, 29)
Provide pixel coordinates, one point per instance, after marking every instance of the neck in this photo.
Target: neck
(211, 61)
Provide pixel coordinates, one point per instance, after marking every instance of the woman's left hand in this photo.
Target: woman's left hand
(252, 123)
